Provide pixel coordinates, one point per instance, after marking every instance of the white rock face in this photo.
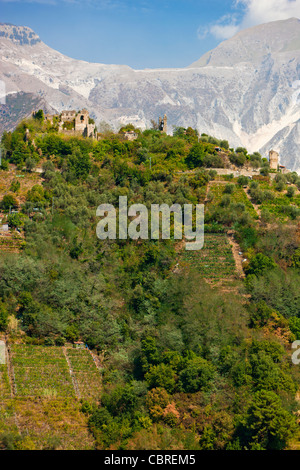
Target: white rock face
(247, 90)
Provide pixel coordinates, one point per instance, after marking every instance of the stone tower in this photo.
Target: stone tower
(162, 124)
(165, 121)
(82, 121)
(274, 160)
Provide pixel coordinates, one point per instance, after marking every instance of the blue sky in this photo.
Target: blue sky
(141, 33)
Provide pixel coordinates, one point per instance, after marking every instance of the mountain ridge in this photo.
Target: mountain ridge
(256, 36)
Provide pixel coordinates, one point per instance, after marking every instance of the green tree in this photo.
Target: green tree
(20, 154)
(260, 263)
(36, 194)
(260, 314)
(4, 165)
(294, 324)
(241, 150)
(162, 376)
(39, 115)
(196, 376)
(8, 202)
(30, 164)
(196, 156)
(291, 191)
(179, 131)
(108, 429)
(3, 317)
(150, 353)
(238, 159)
(15, 186)
(80, 163)
(229, 189)
(121, 400)
(265, 169)
(15, 221)
(279, 289)
(157, 401)
(224, 144)
(243, 180)
(295, 262)
(267, 424)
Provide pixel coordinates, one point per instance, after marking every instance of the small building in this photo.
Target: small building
(283, 169)
(130, 135)
(79, 345)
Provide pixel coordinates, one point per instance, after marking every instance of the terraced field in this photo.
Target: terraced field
(44, 408)
(43, 424)
(41, 371)
(11, 243)
(4, 383)
(238, 196)
(85, 372)
(277, 205)
(215, 261)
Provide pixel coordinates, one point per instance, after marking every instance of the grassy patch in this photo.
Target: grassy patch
(238, 196)
(86, 373)
(215, 261)
(41, 371)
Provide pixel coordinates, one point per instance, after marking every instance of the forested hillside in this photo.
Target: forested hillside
(175, 349)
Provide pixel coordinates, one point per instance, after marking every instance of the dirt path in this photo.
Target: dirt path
(236, 250)
(12, 381)
(210, 183)
(96, 360)
(75, 385)
(10, 370)
(256, 207)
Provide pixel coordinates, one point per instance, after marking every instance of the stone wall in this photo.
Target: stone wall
(68, 116)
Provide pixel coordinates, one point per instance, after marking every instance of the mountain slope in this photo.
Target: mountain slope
(246, 90)
(253, 44)
(19, 106)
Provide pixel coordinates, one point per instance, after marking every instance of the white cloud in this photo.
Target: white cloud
(253, 12)
(264, 11)
(224, 28)
(221, 31)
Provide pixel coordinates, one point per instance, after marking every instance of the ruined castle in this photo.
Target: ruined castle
(74, 123)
